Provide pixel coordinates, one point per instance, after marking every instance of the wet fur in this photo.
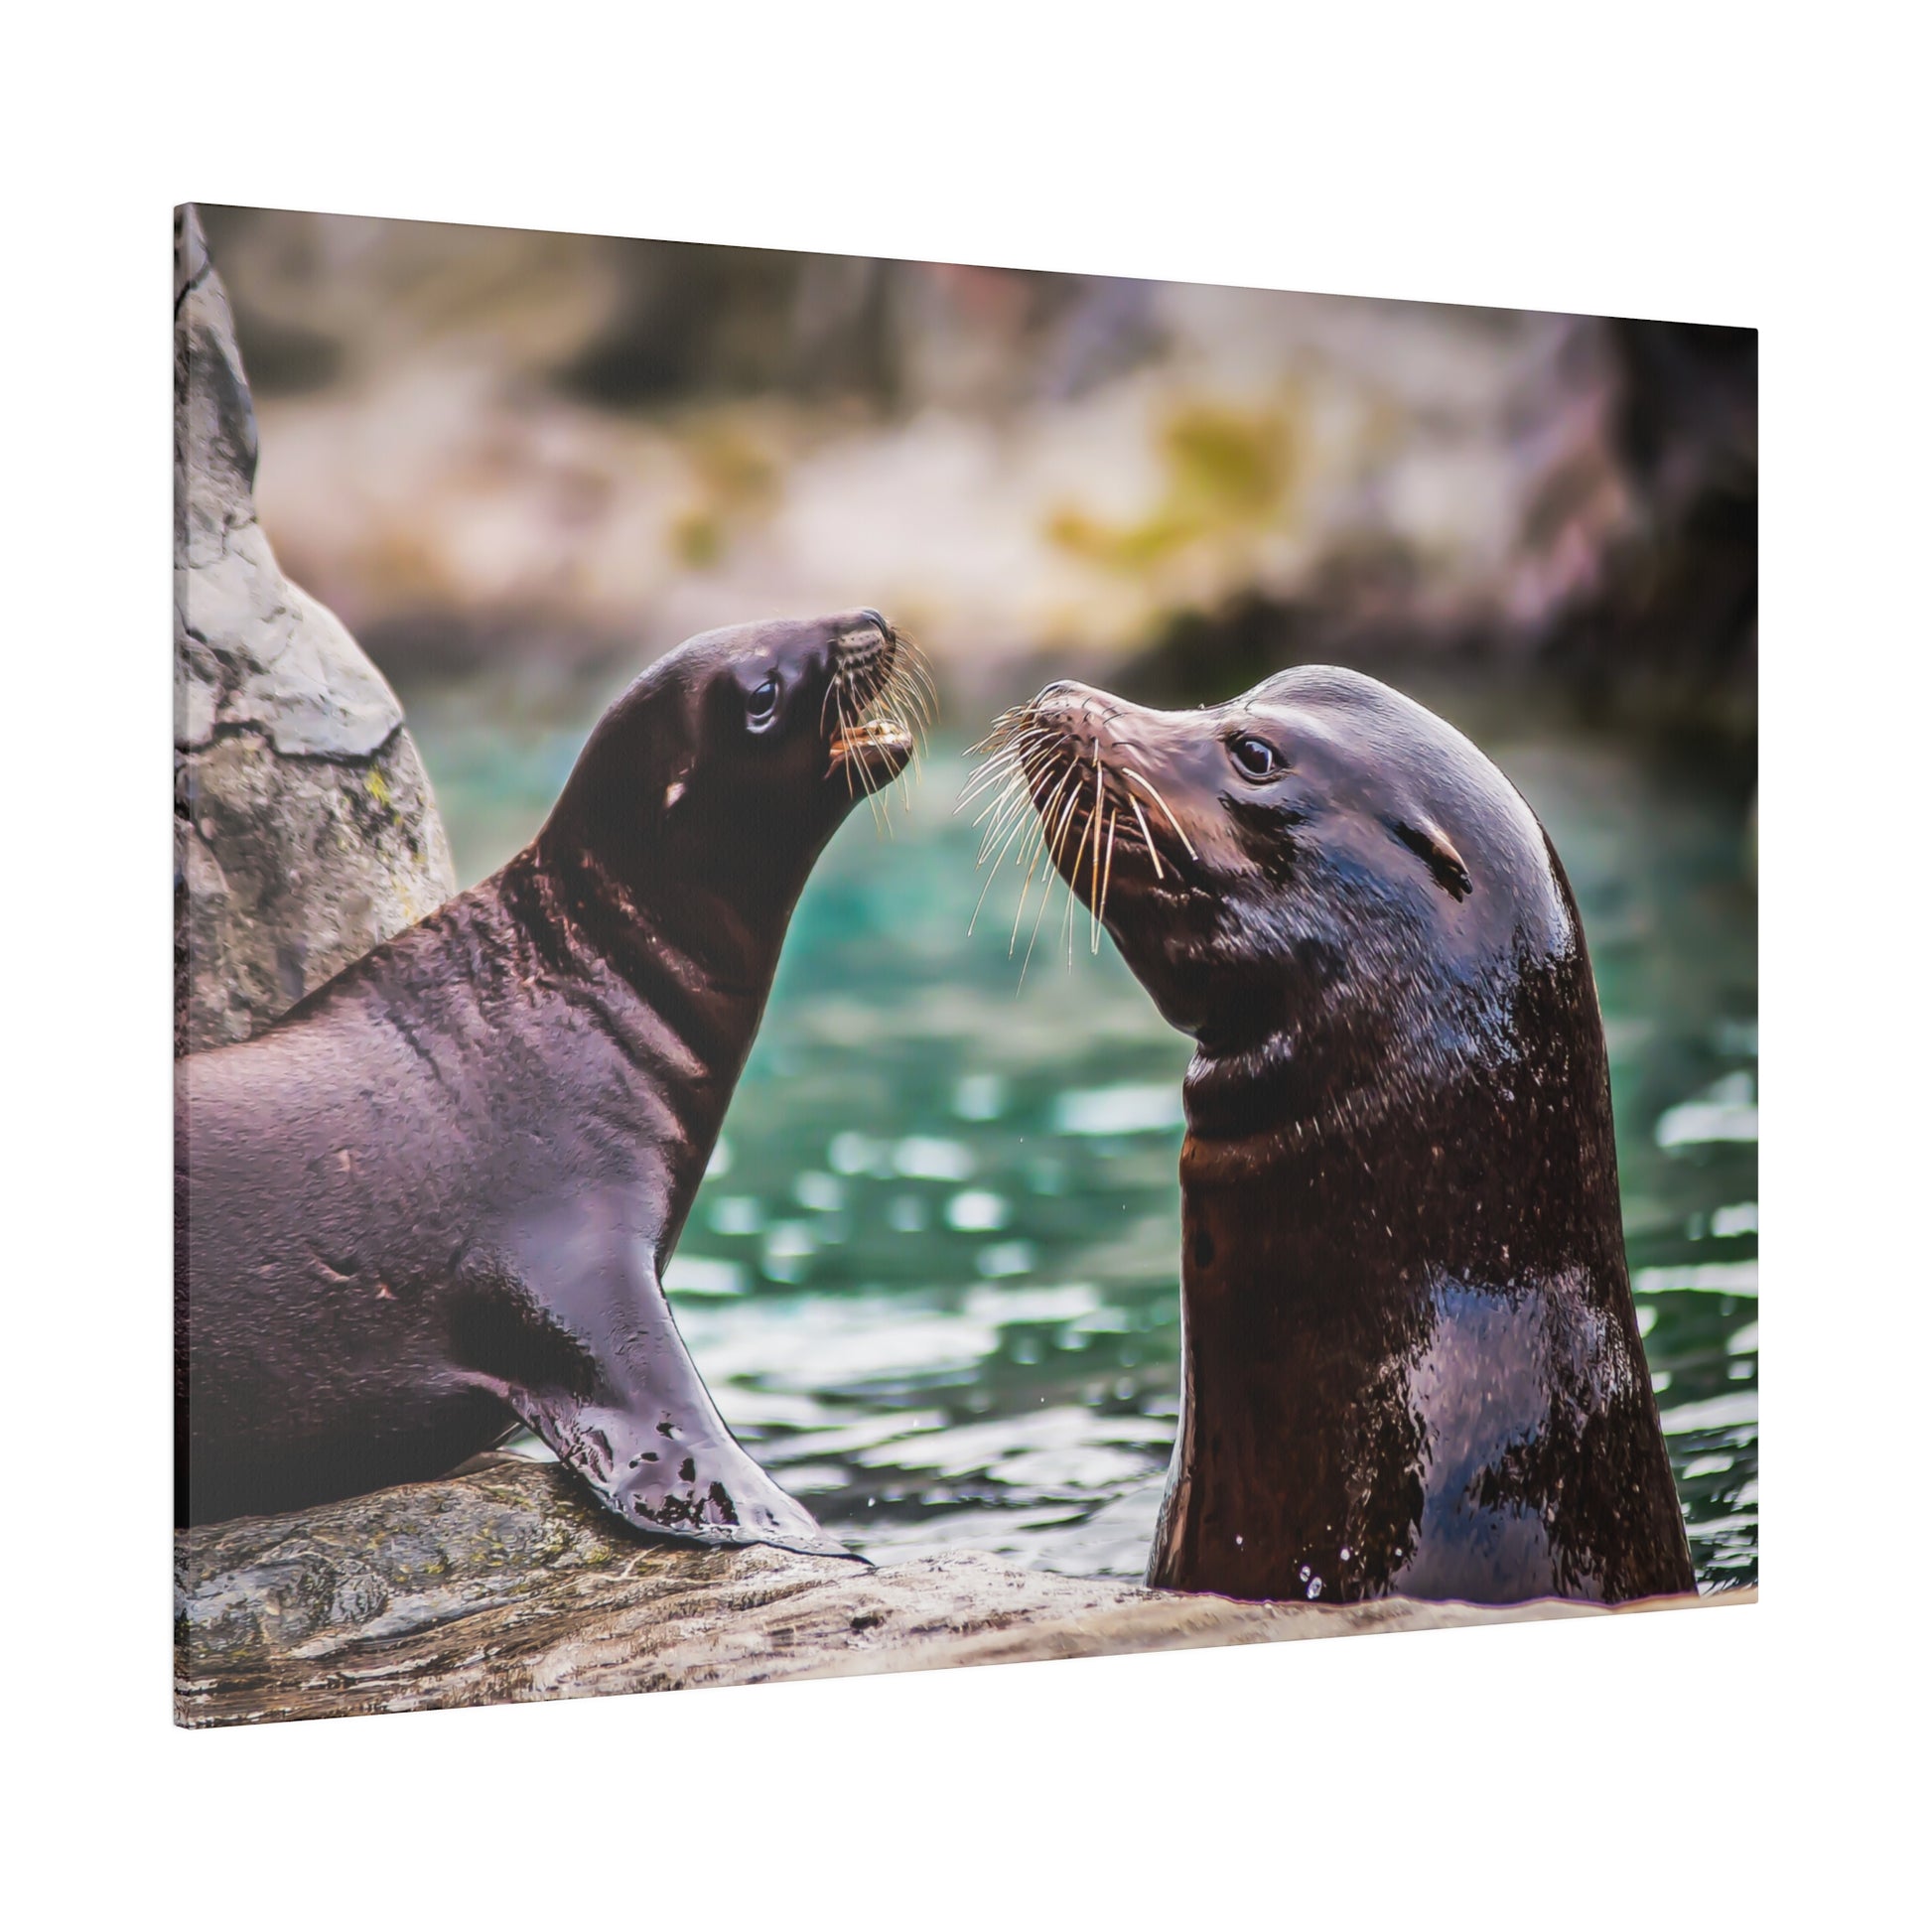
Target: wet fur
(1411, 1360)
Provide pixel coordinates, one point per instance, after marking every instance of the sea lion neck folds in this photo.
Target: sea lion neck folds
(440, 1193)
(1411, 1359)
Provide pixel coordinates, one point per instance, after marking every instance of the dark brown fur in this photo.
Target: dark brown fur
(1411, 1358)
(438, 1197)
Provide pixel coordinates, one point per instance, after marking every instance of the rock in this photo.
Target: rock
(507, 1583)
(305, 829)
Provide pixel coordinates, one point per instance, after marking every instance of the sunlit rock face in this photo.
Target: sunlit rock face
(305, 830)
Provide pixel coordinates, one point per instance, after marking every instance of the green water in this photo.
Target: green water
(931, 1275)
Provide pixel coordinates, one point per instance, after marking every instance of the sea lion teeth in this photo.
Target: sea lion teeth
(875, 735)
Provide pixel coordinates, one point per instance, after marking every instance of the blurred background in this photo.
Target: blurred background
(931, 1277)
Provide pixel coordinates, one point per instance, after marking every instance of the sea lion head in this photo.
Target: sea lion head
(1319, 881)
(725, 768)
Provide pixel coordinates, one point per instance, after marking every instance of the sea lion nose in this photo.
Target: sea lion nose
(866, 637)
(1075, 707)
(862, 634)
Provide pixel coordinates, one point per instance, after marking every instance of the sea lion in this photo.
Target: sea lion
(437, 1195)
(1411, 1362)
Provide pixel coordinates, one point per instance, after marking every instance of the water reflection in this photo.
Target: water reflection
(932, 1274)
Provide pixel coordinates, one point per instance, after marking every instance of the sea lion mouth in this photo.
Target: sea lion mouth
(878, 705)
(882, 746)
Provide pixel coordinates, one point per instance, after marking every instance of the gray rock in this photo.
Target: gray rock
(507, 1583)
(305, 829)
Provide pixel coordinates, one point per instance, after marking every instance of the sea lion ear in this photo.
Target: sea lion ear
(675, 783)
(1431, 844)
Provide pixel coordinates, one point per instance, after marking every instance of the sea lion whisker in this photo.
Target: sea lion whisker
(1019, 825)
(1005, 726)
(908, 688)
(1045, 809)
(1043, 836)
(1152, 852)
(1014, 809)
(1022, 768)
(1032, 783)
(838, 700)
(1012, 740)
(922, 689)
(1052, 856)
(1002, 802)
(882, 810)
(881, 823)
(1002, 758)
(912, 656)
(1014, 745)
(890, 705)
(1030, 748)
(996, 850)
(1002, 798)
(1002, 810)
(1016, 797)
(1038, 848)
(1046, 848)
(1106, 878)
(1023, 833)
(1046, 894)
(907, 707)
(1093, 902)
(982, 781)
(872, 794)
(1072, 873)
(990, 779)
(1066, 811)
(1027, 796)
(1025, 887)
(1148, 786)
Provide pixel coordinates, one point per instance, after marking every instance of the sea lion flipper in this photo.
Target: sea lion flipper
(615, 1395)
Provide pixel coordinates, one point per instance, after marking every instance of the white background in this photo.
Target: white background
(1717, 164)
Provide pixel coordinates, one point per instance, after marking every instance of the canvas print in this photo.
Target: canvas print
(884, 964)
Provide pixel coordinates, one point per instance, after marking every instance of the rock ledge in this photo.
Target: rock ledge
(506, 1585)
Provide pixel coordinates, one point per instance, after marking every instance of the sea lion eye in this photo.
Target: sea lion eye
(762, 704)
(1254, 757)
